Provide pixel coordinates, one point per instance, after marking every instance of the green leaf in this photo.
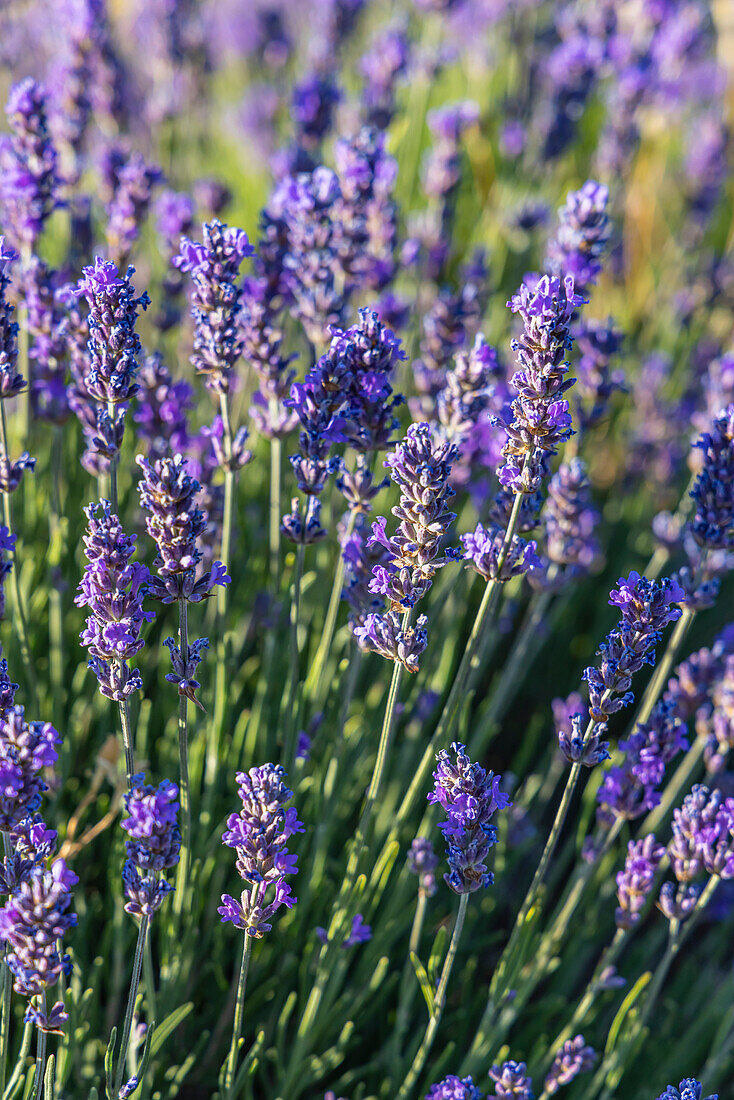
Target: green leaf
(169, 1024)
(624, 1009)
(49, 1080)
(146, 1053)
(249, 1062)
(424, 982)
(109, 1064)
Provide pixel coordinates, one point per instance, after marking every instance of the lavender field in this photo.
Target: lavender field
(366, 594)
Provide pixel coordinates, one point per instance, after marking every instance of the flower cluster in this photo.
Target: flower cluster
(32, 923)
(214, 267)
(134, 184)
(485, 552)
(573, 1058)
(702, 843)
(469, 796)
(112, 588)
(511, 1081)
(423, 861)
(162, 408)
(689, 1089)
(259, 833)
(454, 1088)
(713, 492)
(174, 521)
(111, 360)
(11, 382)
(28, 164)
(582, 236)
(153, 844)
(420, 467)
(26, 748)
(647, 607)
(570, 520)
(541, 420)
(637, 878)
(630, 789)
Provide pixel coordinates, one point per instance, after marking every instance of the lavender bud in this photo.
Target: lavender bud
(423, 861)
(454, 1088)
(635, 882)
(573, 1058)
(511, 1081)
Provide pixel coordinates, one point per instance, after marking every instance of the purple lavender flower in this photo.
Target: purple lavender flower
(184, 670)
(214, 268)
(541, 419)
(134, 184)
(420, 467)
(26, 748)
(112, 588)
(636, 880)
(713, 524)
(647, 608)
(689, 1089)
(43, 296)
(381, 66)
(366, 211)
(511, 1081)
(385, 634)
(153, 844)
(8, 689)
(454, 1088)
(32, 923)
(599, 343)
(303, 528)
(691, 828)
(260, 833)
(262, 340)
(469, 796)
(630, 788)
(482, 549)
(359, 933)
(169, 494)
(174, 212)
(442, 170)
(573, 1058)
(423, 861)
(113, 348)
(570, 520)
(28, 159)
(162, 409)
(582, 236)
(11, 382)
(7, 547)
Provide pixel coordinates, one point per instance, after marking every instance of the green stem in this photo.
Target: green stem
(20, 619)
(7, 992)
(275, 465)
(37, 1092)
(56, 556)
(132, 997)
(315, 686)
(407, 985)
(149, 976)
(220, 692)
(127, 739)
(291, 709)
(440, 1001)
(182, 873)
(239, 1011)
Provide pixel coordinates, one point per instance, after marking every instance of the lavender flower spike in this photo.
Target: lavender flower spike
(713, 492)
(26, 748)
(469, 796)
(216, 301)
(153, 844)
(689, 1089)
(423, 861)
(28, 165)
(112, 588)
(582, 235)
(573, 1058)
(259, 833)
(11, 382)
(511, 1081)
(635, 882)
(175, 523)
(32, 924)
(454, 1088)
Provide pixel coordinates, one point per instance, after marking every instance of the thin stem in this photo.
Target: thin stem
(438, 1006)
(291, 710)
(239, 1011)
(407, 986)
(149, 977)
(20, 618)
(315, 685)
(220, 692)
(37, 1092)
(7, 991)
(127, 739)
(132, 997)
(462, 680)
(275, 465)
(182, 873)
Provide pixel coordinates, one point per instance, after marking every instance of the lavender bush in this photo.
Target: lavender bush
(367, 430)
